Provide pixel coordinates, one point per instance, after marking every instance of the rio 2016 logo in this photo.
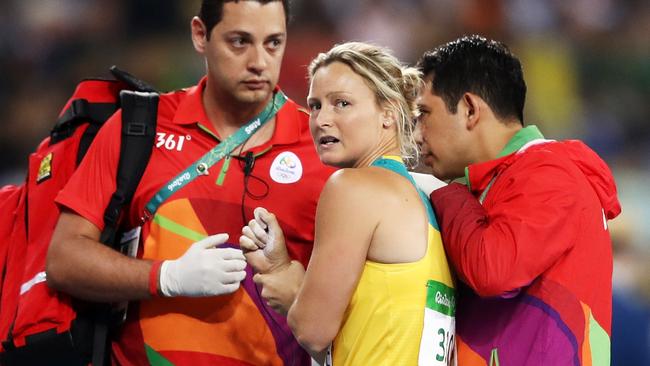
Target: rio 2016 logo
(288, 162)
(286, 168)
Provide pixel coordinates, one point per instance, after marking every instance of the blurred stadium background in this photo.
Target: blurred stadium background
(586, 62)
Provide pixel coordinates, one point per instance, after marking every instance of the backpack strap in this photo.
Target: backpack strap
(80, 111)
(139, 116)
(98, 113)
(86, 139)
(130, 80)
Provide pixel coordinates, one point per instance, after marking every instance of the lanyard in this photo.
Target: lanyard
(201, 166)
(395, 164)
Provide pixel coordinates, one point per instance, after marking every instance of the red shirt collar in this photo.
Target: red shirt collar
(190, 111)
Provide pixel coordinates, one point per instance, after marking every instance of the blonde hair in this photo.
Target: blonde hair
(393, 84)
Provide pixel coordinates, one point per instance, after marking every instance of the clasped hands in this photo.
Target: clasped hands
(205, 270)
(265, 249)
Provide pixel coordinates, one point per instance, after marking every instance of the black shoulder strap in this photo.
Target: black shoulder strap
(97, 113)
(139, 115)
(80, 111)
(133, 82)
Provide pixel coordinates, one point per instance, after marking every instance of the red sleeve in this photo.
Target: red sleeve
(90, 188)
(524, 229)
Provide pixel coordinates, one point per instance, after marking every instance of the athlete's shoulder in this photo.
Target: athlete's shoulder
(357, 181)
(353, 192)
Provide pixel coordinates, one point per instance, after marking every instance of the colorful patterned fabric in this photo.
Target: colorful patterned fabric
(239, 326)
(535, 256)
(287, 177)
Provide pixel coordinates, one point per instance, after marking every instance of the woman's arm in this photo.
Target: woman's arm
(347, 215)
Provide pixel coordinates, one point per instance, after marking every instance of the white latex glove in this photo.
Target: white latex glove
(204, 270)
(427, 182)
(263, 242)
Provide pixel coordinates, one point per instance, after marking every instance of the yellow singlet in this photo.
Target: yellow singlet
(383, 324)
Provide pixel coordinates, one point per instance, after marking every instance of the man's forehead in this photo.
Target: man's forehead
(249, 16)
(425, 93)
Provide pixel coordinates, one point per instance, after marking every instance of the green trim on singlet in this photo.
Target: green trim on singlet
(396, 164)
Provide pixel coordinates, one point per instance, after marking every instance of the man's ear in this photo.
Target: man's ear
(199, 34)
(471, 109)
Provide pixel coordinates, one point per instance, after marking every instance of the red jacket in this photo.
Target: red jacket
(537, 252)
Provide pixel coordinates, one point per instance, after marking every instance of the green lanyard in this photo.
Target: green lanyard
(395, 164)
(201, 166)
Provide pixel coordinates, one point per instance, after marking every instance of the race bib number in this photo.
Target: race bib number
(437, 347)
(328, 356)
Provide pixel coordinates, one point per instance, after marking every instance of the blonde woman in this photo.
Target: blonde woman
(377, 261)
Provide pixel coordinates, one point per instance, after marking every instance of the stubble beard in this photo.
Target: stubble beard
(251, 96)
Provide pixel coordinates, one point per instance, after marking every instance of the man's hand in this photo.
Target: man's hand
(204, 270)
(263, 243)
(280, 287)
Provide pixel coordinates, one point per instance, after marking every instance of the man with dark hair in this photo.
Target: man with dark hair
(211, 12)
(229, 144)
(527, 234)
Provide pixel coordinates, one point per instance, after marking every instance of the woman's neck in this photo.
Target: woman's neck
(383, 148)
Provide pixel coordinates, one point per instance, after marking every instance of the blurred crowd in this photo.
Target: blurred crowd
(586, 62)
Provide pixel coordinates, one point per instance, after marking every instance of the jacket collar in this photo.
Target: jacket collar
(478, 176)
(521, 138)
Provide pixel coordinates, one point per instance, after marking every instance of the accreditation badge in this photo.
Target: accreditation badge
(45, 168)
(129, 242)
(438, 344)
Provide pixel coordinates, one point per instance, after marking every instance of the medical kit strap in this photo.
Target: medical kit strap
(139, 116)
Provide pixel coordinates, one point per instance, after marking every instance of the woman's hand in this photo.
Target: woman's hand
(280, 287)
(263, 243)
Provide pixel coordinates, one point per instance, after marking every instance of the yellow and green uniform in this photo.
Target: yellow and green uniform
(385, 322)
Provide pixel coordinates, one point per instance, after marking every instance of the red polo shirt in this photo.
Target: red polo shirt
(286, 178)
